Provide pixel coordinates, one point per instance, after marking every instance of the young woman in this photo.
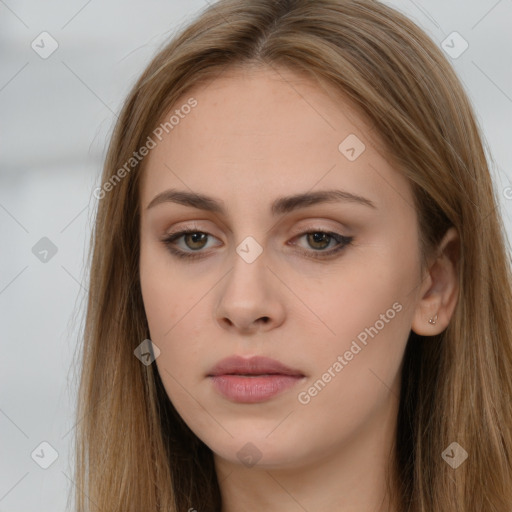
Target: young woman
(300, 291)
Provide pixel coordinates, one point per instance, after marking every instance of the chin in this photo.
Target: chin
(254, 452)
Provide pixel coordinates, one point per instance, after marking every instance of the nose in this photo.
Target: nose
(251, 297)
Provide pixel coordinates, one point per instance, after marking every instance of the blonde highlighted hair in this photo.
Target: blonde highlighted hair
(133, 451)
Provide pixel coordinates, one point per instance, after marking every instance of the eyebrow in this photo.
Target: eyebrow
(280, 206)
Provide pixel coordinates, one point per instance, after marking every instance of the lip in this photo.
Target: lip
(256, 365)
(252, 380)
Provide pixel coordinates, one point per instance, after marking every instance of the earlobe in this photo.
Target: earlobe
(439, 293)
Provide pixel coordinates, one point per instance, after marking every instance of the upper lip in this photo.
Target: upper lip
(256, 365)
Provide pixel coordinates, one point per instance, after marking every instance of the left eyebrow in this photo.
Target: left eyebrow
(280, 206)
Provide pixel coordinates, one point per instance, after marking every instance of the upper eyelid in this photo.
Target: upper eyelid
(301, 230)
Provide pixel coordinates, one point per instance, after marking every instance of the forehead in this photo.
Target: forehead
(269, 132)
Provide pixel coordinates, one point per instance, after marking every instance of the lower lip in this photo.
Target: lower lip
(253, 389)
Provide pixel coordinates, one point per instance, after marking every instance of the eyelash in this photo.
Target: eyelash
(343, 242)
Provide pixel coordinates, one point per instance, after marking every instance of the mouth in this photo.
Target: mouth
(252, 380)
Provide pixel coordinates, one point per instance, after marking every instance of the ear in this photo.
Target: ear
(440, 288)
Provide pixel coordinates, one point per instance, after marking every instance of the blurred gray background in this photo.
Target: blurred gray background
(57, 112)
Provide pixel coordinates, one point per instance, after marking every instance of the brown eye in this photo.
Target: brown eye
(192, 240)
(319, 239)
(196, 240)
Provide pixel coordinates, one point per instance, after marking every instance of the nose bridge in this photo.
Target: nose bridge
(247, 279)
(247, 295)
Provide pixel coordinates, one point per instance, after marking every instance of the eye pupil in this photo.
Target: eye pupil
(319, 238)
(196, 237)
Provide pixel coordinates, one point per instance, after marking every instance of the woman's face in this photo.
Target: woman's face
(259, 162)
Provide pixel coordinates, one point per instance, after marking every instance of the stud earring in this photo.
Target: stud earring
(433, 320)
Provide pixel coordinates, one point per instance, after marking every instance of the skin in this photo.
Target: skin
(256, 135)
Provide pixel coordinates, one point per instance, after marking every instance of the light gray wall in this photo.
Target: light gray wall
(56, 116)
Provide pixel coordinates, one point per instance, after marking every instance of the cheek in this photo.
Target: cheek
(358, 366)
(178, 337)
(172, 305)
(356, 371)
(168, 298)
(366, 315)
(360, 297)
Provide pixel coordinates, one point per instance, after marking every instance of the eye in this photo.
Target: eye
(196, 240)
(320, 240)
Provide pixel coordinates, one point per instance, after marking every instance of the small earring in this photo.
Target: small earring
(433, 320)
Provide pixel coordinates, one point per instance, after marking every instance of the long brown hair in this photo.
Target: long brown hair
(133, 451)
